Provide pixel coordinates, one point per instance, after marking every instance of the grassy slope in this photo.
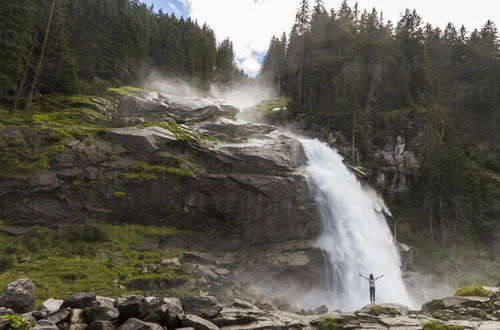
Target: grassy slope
(69, 260)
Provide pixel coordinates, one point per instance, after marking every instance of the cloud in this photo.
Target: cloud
(250, 24)
(250, 65)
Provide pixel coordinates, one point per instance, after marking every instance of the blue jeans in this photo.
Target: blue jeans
(372, 295)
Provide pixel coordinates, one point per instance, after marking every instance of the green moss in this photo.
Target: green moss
(375, 310)
(330, 323)
(393, 312)
(440, 326)
(442, 315)
(16, 322)
(143, 172)
(264, 110)
(179, 132)
(120, 194)
(472, 290)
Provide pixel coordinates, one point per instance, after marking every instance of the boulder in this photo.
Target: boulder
(19, 296)
(134, 306)
(100, 313)
(135, 324)
(241, 304)
(59, 316)
(198, 323)
(79, 300)
(174, 312)
(45, 325)
(76, 316)
(323, 309)
(50, 305)
(105, 301)
(205, 307)
(101, 325)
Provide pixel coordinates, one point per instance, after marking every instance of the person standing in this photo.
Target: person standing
(371, 281)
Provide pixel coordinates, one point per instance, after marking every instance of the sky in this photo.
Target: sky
(250, 24)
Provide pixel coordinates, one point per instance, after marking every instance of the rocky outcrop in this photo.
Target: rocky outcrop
(247, 188)
(151, 313)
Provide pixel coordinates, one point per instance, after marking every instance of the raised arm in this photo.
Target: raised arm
(363, 276)
(379, 277)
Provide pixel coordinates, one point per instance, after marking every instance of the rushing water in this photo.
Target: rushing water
(355, 238)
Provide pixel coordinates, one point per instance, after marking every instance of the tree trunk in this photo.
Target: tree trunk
(20, 89)
(42, 53)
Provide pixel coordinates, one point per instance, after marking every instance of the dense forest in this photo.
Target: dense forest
(351, 71)
(85, 46)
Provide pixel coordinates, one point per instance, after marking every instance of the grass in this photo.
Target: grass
(125, 91)
(330, 323)
(264, 110)
(440, 326)
(472, 290)
(65, 261)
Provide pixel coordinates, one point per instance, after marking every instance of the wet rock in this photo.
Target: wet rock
(198, 323)
(135, 324)
(19, 296)
(199, 258)
(205, 307)
(78, 326)
(79, 300)
(50, 305)
(234, 317)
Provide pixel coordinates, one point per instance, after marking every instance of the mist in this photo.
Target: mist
(242, 95)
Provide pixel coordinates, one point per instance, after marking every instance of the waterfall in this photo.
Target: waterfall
(355, 237)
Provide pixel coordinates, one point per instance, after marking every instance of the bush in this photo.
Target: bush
(16, 322)
(88, 232)
(472, 290)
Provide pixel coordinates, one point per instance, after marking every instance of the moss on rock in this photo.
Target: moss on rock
(472, 290)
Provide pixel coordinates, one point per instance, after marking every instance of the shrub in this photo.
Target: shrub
(472, 290)
(88, 232)
(16, 322)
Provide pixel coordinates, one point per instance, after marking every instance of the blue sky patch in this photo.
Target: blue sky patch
(176, 7)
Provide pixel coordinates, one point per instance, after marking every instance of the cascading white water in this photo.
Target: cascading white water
(355, 238)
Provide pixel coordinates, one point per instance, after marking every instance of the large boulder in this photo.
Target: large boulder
(19, 296)
(101, 313)
(205, 307)
(135, 306)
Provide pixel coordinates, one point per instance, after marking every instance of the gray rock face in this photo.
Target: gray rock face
(79, 300)
(135, 324)
(198, 323)
(205, 307)
(19, 296)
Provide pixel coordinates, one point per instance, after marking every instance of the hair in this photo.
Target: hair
(371, 276)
